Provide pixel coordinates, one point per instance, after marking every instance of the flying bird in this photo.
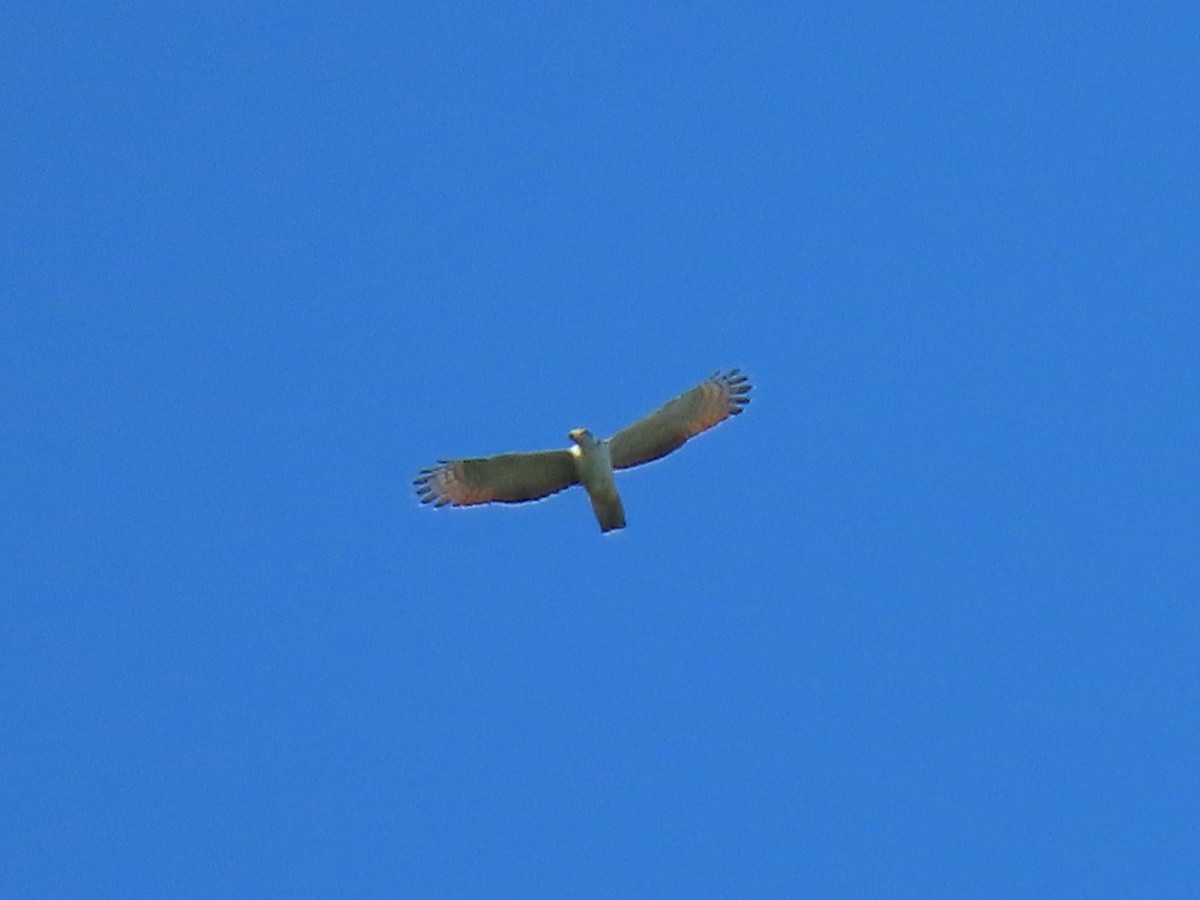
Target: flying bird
(520, 477)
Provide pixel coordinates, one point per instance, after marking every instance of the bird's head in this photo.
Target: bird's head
(581, 436)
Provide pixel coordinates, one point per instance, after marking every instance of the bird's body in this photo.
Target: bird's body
(593, 463)
(519, 477)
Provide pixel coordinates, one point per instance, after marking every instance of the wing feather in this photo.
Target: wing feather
(506, 478)
(668, 428)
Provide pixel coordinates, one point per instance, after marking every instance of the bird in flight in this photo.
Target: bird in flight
(520, 477)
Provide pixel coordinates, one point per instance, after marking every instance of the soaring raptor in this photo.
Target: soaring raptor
(518, 477)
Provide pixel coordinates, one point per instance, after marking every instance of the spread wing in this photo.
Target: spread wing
(507, 478)
(708, 403)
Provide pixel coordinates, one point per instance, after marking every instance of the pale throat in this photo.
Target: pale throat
(592, 457)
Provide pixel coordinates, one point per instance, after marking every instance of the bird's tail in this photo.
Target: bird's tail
(609, 511)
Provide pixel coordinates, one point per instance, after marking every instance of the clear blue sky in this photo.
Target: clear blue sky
(922, 622)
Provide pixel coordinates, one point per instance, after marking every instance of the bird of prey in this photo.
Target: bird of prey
(518, 477)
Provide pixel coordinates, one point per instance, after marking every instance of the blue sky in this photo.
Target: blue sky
(922, 622)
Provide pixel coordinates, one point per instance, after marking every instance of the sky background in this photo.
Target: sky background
(922, 622)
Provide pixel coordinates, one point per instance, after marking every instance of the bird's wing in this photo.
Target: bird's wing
(708, 403)
(507, 478)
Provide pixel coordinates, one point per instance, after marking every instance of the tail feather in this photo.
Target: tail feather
(609, 511)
